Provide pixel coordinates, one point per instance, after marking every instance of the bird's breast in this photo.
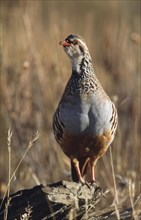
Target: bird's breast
(75, 118)
(85, 115)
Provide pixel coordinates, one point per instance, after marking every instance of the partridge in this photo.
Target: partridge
(85, 120)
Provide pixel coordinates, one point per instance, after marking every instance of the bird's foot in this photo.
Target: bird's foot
(84, 183)
(94, 187)
(90, 185)
(87, 184)
(93, 183)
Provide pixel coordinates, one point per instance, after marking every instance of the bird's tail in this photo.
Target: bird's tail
(83, 163)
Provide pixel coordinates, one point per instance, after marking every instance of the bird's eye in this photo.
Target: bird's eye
(68, 41)
(75, 42)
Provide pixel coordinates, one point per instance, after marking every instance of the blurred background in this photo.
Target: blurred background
(35, 70)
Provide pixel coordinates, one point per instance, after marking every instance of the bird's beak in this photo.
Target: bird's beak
(64, 43)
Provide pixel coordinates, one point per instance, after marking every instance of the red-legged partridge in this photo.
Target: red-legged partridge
(85, 121)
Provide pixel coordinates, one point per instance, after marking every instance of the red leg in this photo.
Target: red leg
(92, 173)
(76, 164)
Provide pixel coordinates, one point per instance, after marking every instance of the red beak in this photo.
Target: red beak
(64, 43)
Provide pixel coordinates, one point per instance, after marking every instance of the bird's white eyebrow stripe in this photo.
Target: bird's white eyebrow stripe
(81, 48)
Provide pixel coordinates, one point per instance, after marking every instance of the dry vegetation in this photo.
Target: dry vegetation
(34, 71)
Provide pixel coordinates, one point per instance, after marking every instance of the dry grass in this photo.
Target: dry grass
(12, 176)
(35, 70)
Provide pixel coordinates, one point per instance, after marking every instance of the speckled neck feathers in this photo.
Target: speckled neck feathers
(83, 79)
(81, 63)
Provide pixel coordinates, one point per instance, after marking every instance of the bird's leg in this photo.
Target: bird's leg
(92, 173)
(76, 165)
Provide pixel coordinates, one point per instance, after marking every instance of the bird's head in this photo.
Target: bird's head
(74, 46)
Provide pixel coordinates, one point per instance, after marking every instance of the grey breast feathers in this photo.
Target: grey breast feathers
(77, 115)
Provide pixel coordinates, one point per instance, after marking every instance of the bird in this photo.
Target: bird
(85, 120)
